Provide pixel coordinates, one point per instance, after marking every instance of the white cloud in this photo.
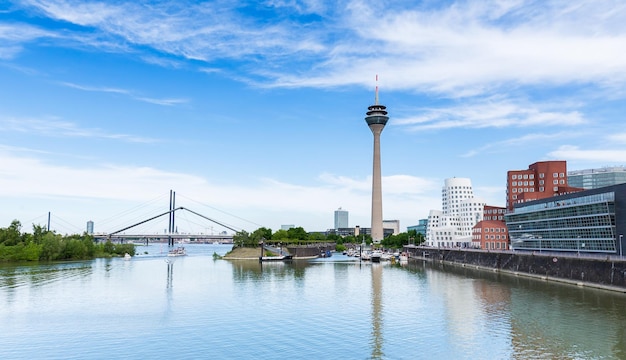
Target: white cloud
(129, 93)
(493, 114)
(456, 49)
(524, 140)
(264, 202)
(52, 126)
(602, 156)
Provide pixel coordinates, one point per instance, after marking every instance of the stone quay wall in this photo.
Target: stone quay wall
(608, 273)
(307, 251)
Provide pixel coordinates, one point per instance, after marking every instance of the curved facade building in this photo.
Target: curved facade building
(452, 226)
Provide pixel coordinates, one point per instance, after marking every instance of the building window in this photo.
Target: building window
(541, 175)
(532, 176)
(555, 175)
(514, 177)
(562, 182)
(561, 175)
(525, 176)
(541, 189)
(555, 182)
(540, 182)
(556, 188)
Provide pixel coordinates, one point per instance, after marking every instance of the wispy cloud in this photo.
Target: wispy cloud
(52, 126)
(454, 49)
(263, 201)
(129, 93)
(602, 156)
(524, 140)
(493, 114)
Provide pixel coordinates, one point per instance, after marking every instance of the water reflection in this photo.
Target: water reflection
(543, 317)
(377, 308)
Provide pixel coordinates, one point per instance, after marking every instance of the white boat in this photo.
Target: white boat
(127, 256)
(179, 251)
(404, 257)
(376, 255)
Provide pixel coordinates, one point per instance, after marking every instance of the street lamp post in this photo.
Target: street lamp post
(620, 245)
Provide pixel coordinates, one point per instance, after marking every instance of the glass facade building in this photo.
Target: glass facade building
(597, 178)
(586, 221)
(341, 219)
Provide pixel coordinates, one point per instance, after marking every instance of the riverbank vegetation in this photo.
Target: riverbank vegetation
(44, 245)
(298, 236)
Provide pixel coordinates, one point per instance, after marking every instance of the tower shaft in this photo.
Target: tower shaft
(376, 120)
(377, 194)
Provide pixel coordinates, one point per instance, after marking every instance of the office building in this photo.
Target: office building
(592, 221)
(541, 180)
(420, 228)
(341, 219)
(394, 225)
(597, 178)
(90, 227)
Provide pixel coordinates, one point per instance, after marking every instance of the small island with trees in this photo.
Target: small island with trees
(247, 245)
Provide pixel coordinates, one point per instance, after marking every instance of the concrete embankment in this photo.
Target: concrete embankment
(609, 274)
(298, 252)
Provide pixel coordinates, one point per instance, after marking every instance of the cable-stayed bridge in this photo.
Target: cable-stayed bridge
(171, 236)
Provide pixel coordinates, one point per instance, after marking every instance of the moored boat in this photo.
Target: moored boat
(179, 251)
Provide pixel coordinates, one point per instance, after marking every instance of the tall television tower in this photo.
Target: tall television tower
(376, 120)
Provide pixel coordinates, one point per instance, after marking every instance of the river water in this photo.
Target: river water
(333, 308)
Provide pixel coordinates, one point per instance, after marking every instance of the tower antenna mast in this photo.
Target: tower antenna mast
(376, 96)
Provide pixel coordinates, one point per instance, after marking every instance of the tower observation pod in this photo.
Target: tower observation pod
(376, 120)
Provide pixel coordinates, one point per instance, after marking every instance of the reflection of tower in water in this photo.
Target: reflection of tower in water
(170, 273)
(377, 309)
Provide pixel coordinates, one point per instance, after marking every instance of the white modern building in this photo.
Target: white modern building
(452, 226)
(341, 219)
(392, 224)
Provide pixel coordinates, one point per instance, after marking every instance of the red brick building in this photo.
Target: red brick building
(541, 180)
(490, 235)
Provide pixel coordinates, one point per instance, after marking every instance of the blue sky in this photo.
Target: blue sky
(253, 111)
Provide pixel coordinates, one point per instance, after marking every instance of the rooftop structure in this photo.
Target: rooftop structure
(597, 178)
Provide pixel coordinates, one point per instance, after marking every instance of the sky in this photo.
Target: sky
(253, 111)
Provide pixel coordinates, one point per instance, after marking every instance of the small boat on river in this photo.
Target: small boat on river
(179, 251)
(275, 258)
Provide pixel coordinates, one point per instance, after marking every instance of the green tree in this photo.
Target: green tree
(11, 236)
(280, 235)
(51, 247)
(262, 233)
(317, 236)
(297, 233)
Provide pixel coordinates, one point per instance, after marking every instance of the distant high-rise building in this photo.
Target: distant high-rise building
(541, 180)
(597, 178)
(90, 227)
(341, 219)
(376, 120)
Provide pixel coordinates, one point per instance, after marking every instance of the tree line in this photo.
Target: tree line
(44, 245)
(297, 235)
